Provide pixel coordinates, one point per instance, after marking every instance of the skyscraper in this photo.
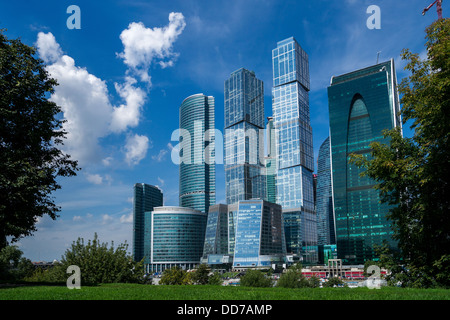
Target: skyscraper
(197, 153)
(295, 159)
(324, 201)
(244, 144)
(259, 240)
(146, 197)
(270, 162)
(362, 104)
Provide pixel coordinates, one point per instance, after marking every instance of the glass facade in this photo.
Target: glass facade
(270, 162)
(197, 167)
(216, 237)
(361, 105)
(295, 159)
(259, 240)
(177, 237)
(146, 197)
(244, 143)
(324, 201)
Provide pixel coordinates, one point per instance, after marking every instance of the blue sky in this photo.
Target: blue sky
(121, 94)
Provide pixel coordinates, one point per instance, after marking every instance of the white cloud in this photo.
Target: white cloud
(48, 49)
(144, 45)
(98, 179)
(128, 114)
(127, 218)
(136, 149)
(94, 178)
(160, 156)
(85, 100)
(106, 219)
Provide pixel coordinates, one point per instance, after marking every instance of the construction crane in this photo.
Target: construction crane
(438, 7)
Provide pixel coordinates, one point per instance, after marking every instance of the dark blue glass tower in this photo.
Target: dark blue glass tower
(362, 104)
(324, 200)
(146, 198)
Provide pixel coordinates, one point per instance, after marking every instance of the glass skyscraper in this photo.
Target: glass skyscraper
(324, 200)
(146, 197)
(361, 105)
(259, 239)
(270, 162)
(295, 159)
(197, 154)
(176, 238)
(244, 142)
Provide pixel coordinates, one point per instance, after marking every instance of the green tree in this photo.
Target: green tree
(201, 274)
(293, 278)
(100, 264)
(334, 282)
(30, 134)
(14, 267)
(413, 173)
(175, 276)
(255, 278)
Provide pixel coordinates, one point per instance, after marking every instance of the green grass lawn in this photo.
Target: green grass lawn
(151, 292)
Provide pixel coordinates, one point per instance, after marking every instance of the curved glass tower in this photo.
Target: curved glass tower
(177, 238)
(324, 202)
(361, 105)
(197, 167)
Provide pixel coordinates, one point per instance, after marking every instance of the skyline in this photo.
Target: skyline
(193, 52)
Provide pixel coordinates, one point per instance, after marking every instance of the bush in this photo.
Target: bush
(293, 278)
(255, 278)
(100, 264)
(334, 282)
(175, 276)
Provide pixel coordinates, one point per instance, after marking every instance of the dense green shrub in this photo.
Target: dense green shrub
(255, 278)
(97, 263)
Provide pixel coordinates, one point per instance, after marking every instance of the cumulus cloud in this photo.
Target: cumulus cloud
(85, 100)
(127, 218)
(144, 45)
(128, 114)
(136, 149)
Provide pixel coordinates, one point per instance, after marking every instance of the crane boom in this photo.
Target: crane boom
(438, 8)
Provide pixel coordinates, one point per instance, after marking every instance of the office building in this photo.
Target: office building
(146, 197)
(243, 135)
(324, 199)
(270, 162)
(176, 238)
(197, 153)
(362, 104)
(295, 159)
(259, 238)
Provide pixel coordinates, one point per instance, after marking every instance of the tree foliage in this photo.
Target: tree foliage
(14, 267)
(256, 278)
(102, 264)
(30, 134)
(413, 173)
